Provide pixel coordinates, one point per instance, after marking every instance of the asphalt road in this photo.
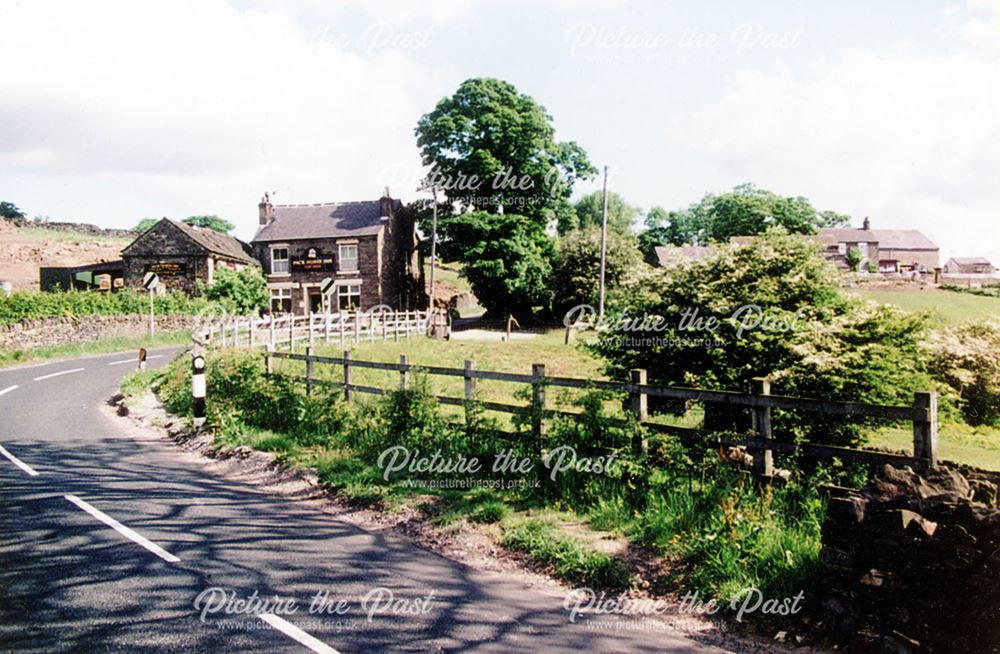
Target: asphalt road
(107, 542)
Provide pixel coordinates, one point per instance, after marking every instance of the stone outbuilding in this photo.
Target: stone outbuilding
(182, 255)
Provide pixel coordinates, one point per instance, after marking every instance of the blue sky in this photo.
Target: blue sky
(110, 112)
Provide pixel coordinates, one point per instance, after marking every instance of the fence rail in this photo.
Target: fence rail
(760, 443)
(276, 331)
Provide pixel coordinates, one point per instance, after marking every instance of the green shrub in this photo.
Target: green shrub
(967, 358)
(489, 512)
(35, 305)
(568, 557)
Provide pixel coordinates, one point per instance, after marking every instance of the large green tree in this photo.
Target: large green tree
(145, 225)
(243, 291)
(211, 222)
(588, 210)
(507, 260)
(493, 149)
(744, 211)
(769, 309)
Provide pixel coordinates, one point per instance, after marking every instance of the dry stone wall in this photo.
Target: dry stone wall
(65, 330)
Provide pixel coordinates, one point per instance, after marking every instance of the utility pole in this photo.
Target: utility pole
(604, 247)
(434, 238)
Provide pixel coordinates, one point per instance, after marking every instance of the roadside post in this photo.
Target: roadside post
(198, 389)
(150, 281)
(142, 359)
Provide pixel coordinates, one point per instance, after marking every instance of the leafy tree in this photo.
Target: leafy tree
(10, 211)
(506, 259)
(576, 270)
(244, 290)
(744, 211)
(493, 149)
(587, 212)
(145, 224)
(211, 222)
(853, 259)
(808, 339)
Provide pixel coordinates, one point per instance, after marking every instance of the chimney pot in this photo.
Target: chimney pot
(265, 210)
(866, 224)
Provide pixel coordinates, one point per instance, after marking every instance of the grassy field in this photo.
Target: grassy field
(42, 234)
(948, 307)
(974, 446)
(16, 357)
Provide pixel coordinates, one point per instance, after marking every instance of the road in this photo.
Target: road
(108, 541)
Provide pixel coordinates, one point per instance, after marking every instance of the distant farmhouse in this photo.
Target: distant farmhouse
(892, 250)
(968, 266)
(369, 249)
(182, 255)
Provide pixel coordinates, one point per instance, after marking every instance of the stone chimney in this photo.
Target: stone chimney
(866, 224)
(266, 210)
(385, 204)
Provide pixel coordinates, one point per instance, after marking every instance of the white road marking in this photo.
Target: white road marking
(123, 530)
(134, 360)
(16, 461)
(61, 372)
(290, 630)
(8, 389)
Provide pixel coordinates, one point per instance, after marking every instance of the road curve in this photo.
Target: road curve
(107, 542)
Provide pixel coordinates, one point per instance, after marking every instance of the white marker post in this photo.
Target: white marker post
(142, 359)
(198, 389)
(150, 281)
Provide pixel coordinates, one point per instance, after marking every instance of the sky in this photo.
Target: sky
(115, 111)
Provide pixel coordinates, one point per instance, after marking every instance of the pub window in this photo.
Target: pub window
(348, 260)
(349, 297)
(281, 300)
(279, 260)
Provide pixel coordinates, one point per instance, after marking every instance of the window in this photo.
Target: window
(279, 261)
(348, 259)
(349, 297)
(281, 300)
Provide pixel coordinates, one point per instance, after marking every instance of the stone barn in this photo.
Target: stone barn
(182, 254)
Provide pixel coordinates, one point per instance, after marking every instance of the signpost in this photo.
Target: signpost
(150, 281)
(325, 287)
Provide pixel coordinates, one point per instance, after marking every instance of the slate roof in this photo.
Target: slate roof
(668, 254)
(216, 242)
(971, 261)
(324, 220)
(208, 240)
(887, 239)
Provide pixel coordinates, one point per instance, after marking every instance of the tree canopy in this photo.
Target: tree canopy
(744, 211)
(576, 271)
(211, 222)
(587, 212)
(493, 149)
(145, 224)
(244, 290)
(10, 211)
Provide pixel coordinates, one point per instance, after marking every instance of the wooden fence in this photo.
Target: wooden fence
(922, 413)
(288, 330)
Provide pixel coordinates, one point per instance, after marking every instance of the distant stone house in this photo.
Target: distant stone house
(369, 250)
(182, 255)
(968, 266)
(892, 250)
(667, 255)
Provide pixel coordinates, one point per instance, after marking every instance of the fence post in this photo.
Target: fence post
(268, 359)
(311, 342)
(326, 329)
(385, 334)
(404, 373)
(640, 407)
(347, 375)
(291, 332)
(925, 427)
(470, 393)
(198, 389)
(763, 460)
(357, 326)
(252, 331)
(538, 400)
(270, 329)
(343, 325)
(309, 370)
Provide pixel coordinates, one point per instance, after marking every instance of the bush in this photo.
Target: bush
(35, 305)
(814, 343)
(243, 291)
(967, 358)
(576, 271)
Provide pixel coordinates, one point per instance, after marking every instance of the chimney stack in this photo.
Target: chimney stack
(385, 204)
(866, 224)
(266, 210)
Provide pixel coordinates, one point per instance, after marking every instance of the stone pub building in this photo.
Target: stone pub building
(368, 248)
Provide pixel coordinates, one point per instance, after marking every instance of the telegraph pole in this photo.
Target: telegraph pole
(604, 246)
(434, 238)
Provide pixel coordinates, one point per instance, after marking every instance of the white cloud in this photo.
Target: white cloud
(201, 105)
(908, 138)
